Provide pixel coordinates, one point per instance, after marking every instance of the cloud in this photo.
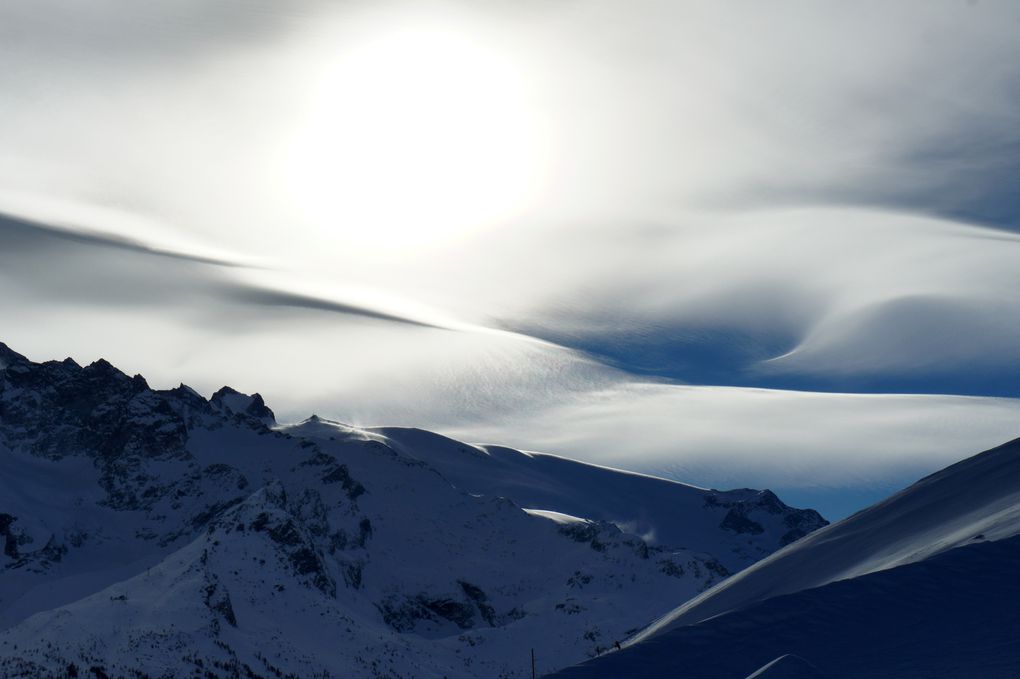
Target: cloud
(53, 265)
(264, 297)
(173, 318)
(650, 109)
(22, 234)
(911, 107)
(135, 34)
(736, 437)
(808, 196)
(823, 298)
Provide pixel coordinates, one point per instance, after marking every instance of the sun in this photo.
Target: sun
(415, 135)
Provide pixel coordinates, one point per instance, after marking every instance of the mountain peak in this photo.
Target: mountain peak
(232, 402)
(102, 365)
(8, 356)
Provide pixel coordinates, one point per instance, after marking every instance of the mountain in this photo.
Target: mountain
(922, 584)
(156, 533)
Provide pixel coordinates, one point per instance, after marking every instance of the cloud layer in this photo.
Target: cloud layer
(804, 196)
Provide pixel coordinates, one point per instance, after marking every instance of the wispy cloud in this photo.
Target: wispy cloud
(838, 449)
(23, 233)
(55, 264)
(804, 196)
(826, 298)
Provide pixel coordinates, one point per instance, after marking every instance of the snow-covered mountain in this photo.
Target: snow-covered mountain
(152, 533)
(923, 584)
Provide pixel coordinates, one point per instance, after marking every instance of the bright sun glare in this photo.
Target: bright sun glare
(416, 136)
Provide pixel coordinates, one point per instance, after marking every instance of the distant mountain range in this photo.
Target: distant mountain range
(157, 533)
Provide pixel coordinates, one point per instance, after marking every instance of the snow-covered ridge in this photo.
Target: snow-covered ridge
(977, 499)
(753, 523)
(922, 584)
(158, 533)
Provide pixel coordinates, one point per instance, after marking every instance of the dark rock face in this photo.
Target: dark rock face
(469, 608)
(739, 519)
(131, 433)
(736, 520)
(589, 532)
(8, 356)
(23, 551)
(58, 408)
(35, 560)
(268, 511)
(800, 524)
(404, 614)
(481, 600)
(10, 540)
(232, 402)
(334, 472)
(217, 599)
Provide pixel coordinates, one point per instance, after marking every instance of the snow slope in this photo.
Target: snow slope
(787, 667)
(922, 584)
(661, 511)
(160, 534)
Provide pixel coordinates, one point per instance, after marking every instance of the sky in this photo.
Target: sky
(741, 244)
